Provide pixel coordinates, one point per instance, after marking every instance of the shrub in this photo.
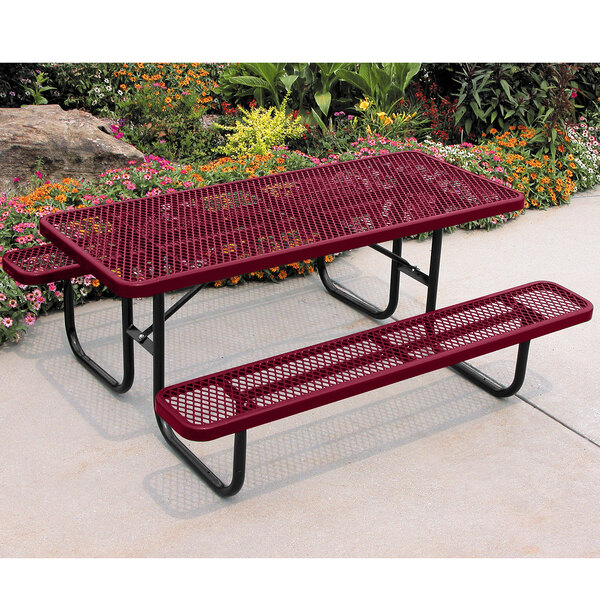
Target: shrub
(436, 111)
(260, 129)
(499, 95)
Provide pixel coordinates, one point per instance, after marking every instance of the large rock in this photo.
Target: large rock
(70, 143)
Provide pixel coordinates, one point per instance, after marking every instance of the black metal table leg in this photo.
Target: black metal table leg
(399, 265)
(434, 270)
(358, 303)
(158, 378)
(92, 366)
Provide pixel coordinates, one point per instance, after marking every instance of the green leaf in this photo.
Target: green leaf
(250, 81)
(356, 80)
(323, 100)
(458, 115)
(506, 89)
(478, 112)
(288, 81)
(319, 121)
(268, 71)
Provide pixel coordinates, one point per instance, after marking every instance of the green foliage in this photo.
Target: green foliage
(396, 125)
(260, 129)
(37, 90)
(314, 88)
(384, 83)
(90, 86)
(151, 125)
(14, 79)
(267, 81)
(499, 95)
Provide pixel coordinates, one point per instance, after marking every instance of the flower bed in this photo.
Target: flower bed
(507, 157)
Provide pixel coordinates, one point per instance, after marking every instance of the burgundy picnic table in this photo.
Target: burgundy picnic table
(184, 240)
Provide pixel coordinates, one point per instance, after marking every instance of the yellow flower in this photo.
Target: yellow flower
(364, 104)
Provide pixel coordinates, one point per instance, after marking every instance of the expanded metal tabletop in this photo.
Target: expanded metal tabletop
(146, 246)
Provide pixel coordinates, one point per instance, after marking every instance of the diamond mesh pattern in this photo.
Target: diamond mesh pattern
(40, 264)
(165, 242)
(253, 394)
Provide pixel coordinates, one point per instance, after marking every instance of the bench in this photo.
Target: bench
(234, 400)
(40, 264)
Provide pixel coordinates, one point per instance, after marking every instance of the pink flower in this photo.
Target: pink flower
(38, 174)
(16, 179)
(30, 318)
(7, 322)
(574, 94)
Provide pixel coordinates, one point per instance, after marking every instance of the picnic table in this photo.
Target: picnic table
(184, 240)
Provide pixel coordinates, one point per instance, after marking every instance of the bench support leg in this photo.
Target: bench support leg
(480, 379)
(93, 367)
(239, 446)
(215, 484)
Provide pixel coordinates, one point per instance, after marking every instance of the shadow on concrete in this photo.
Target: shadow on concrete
(326, 444)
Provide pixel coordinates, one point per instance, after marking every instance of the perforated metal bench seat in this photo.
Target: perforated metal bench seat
(40, 264)
(236, 399)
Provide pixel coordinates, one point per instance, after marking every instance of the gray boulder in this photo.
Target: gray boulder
(70, 143)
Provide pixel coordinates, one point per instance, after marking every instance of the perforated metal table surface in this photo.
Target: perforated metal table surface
(146, 246)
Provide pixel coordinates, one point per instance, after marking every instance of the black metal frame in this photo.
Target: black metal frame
(158, 380)
(431, 280)
(92, 366)
(398, 265)
(156, 347)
